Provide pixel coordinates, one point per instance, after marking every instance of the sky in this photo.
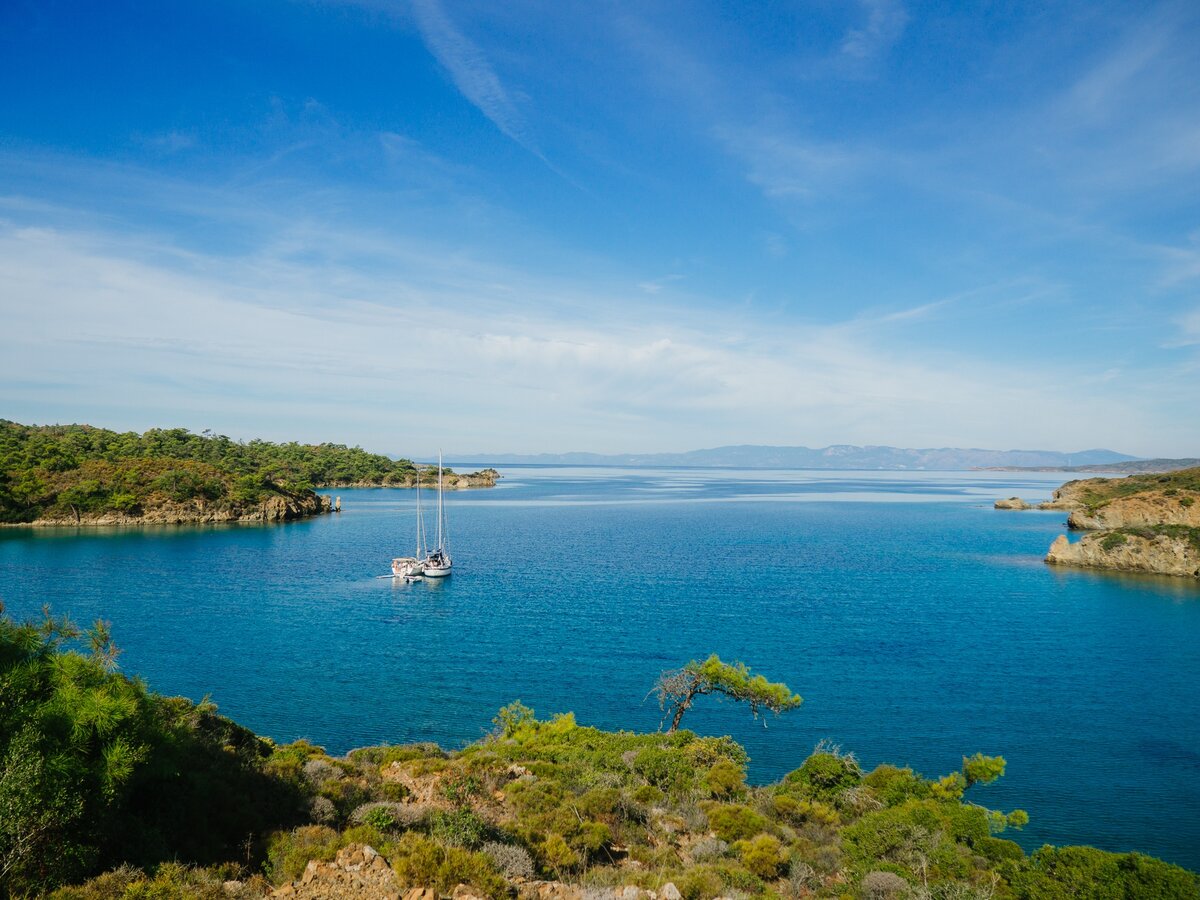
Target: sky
(653, 226)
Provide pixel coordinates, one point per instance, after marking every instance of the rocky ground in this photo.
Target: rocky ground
(360, 873)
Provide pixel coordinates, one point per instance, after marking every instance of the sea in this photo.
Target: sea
(918, 623)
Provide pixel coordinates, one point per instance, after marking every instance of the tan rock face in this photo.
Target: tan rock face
(1139, 510)
(358, 873)
(274, 509)
(1160, 554)
(1012, 503)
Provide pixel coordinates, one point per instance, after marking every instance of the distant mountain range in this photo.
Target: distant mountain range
(841, 456)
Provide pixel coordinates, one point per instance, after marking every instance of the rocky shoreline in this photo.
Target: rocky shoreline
(1136, 525)
(277, 508)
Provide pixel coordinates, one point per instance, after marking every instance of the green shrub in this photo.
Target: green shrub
(825, 773)
(1113, 540)
(458, 827)
(1058, 873)
(892, 786)
(732, 822)
(700, 883)
(420, 861)
(725, 780)
(763, 856)
(556, 854)
(288, 852)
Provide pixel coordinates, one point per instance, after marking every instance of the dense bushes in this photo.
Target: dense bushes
(77, 469)
(99, 773)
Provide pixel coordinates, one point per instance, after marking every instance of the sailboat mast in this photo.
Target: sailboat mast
(420, 554)
(440, 508)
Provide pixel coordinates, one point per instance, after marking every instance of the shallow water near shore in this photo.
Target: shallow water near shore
(918, 623)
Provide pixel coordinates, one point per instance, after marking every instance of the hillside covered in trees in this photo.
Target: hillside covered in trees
(77, 473)
(149, 796)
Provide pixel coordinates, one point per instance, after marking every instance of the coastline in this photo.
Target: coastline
(1134, 524)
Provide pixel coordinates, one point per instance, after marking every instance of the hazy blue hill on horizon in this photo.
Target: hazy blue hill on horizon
(838, 456)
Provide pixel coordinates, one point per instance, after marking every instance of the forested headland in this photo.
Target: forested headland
(108, 790)
(78, 474)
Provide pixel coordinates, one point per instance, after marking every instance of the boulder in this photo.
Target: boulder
(1012, 503)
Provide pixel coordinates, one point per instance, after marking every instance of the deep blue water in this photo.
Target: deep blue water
(918, 623)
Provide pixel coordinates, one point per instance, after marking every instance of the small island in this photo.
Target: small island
(1146, 523)
(55, 475)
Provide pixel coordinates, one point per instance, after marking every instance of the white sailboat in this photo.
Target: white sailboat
(413, 566)
(437, 564)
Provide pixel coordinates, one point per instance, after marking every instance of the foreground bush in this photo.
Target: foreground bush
(101, 774)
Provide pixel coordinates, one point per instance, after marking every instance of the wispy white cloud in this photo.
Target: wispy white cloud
(883, 28)
(788, 166)
(472, 72)
(98, 329)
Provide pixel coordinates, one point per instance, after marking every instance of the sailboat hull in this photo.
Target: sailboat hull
(437, 571)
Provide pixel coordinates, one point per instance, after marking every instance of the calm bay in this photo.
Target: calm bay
(918, 623)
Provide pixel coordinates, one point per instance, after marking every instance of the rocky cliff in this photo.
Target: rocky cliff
(1149, 508)
(276, 508)
(1161, 551)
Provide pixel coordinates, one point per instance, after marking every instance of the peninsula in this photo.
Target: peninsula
(80, 475)
(1141, 523)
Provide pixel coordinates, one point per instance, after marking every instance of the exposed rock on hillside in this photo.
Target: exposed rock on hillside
(1162, 551)
(276, 508)
(358, 873)
(1140, 510)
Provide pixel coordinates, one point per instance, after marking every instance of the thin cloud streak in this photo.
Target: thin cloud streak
(303, 346)
(472, 73)
(884, 26)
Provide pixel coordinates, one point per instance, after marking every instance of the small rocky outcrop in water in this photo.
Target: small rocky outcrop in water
(1012, 503)
(1162, 551)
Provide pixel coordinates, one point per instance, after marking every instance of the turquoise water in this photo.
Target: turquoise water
(918, 623)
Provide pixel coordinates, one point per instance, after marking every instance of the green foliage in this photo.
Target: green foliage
(288, 852)
(825, 773)
(76, 470)
(980, 769)
(734, 822)
(892, 786)
(1113, 540)
(511, 718)
(536, 799)
(1097, 492)
(420, 861)
(678, 689)
(1084, 873)
(459, 827)
(725, 779)
(1150, 532)
(97, 770)
(763, 856)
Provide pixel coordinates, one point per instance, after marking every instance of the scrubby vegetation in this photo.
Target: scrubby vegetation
(1096, 492)
(97, 771)
(77, 470)
(1118, 536)
(173, 801)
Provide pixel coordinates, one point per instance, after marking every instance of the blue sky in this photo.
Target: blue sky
(550, 226)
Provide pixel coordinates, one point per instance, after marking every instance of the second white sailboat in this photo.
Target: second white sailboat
(438, 563)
